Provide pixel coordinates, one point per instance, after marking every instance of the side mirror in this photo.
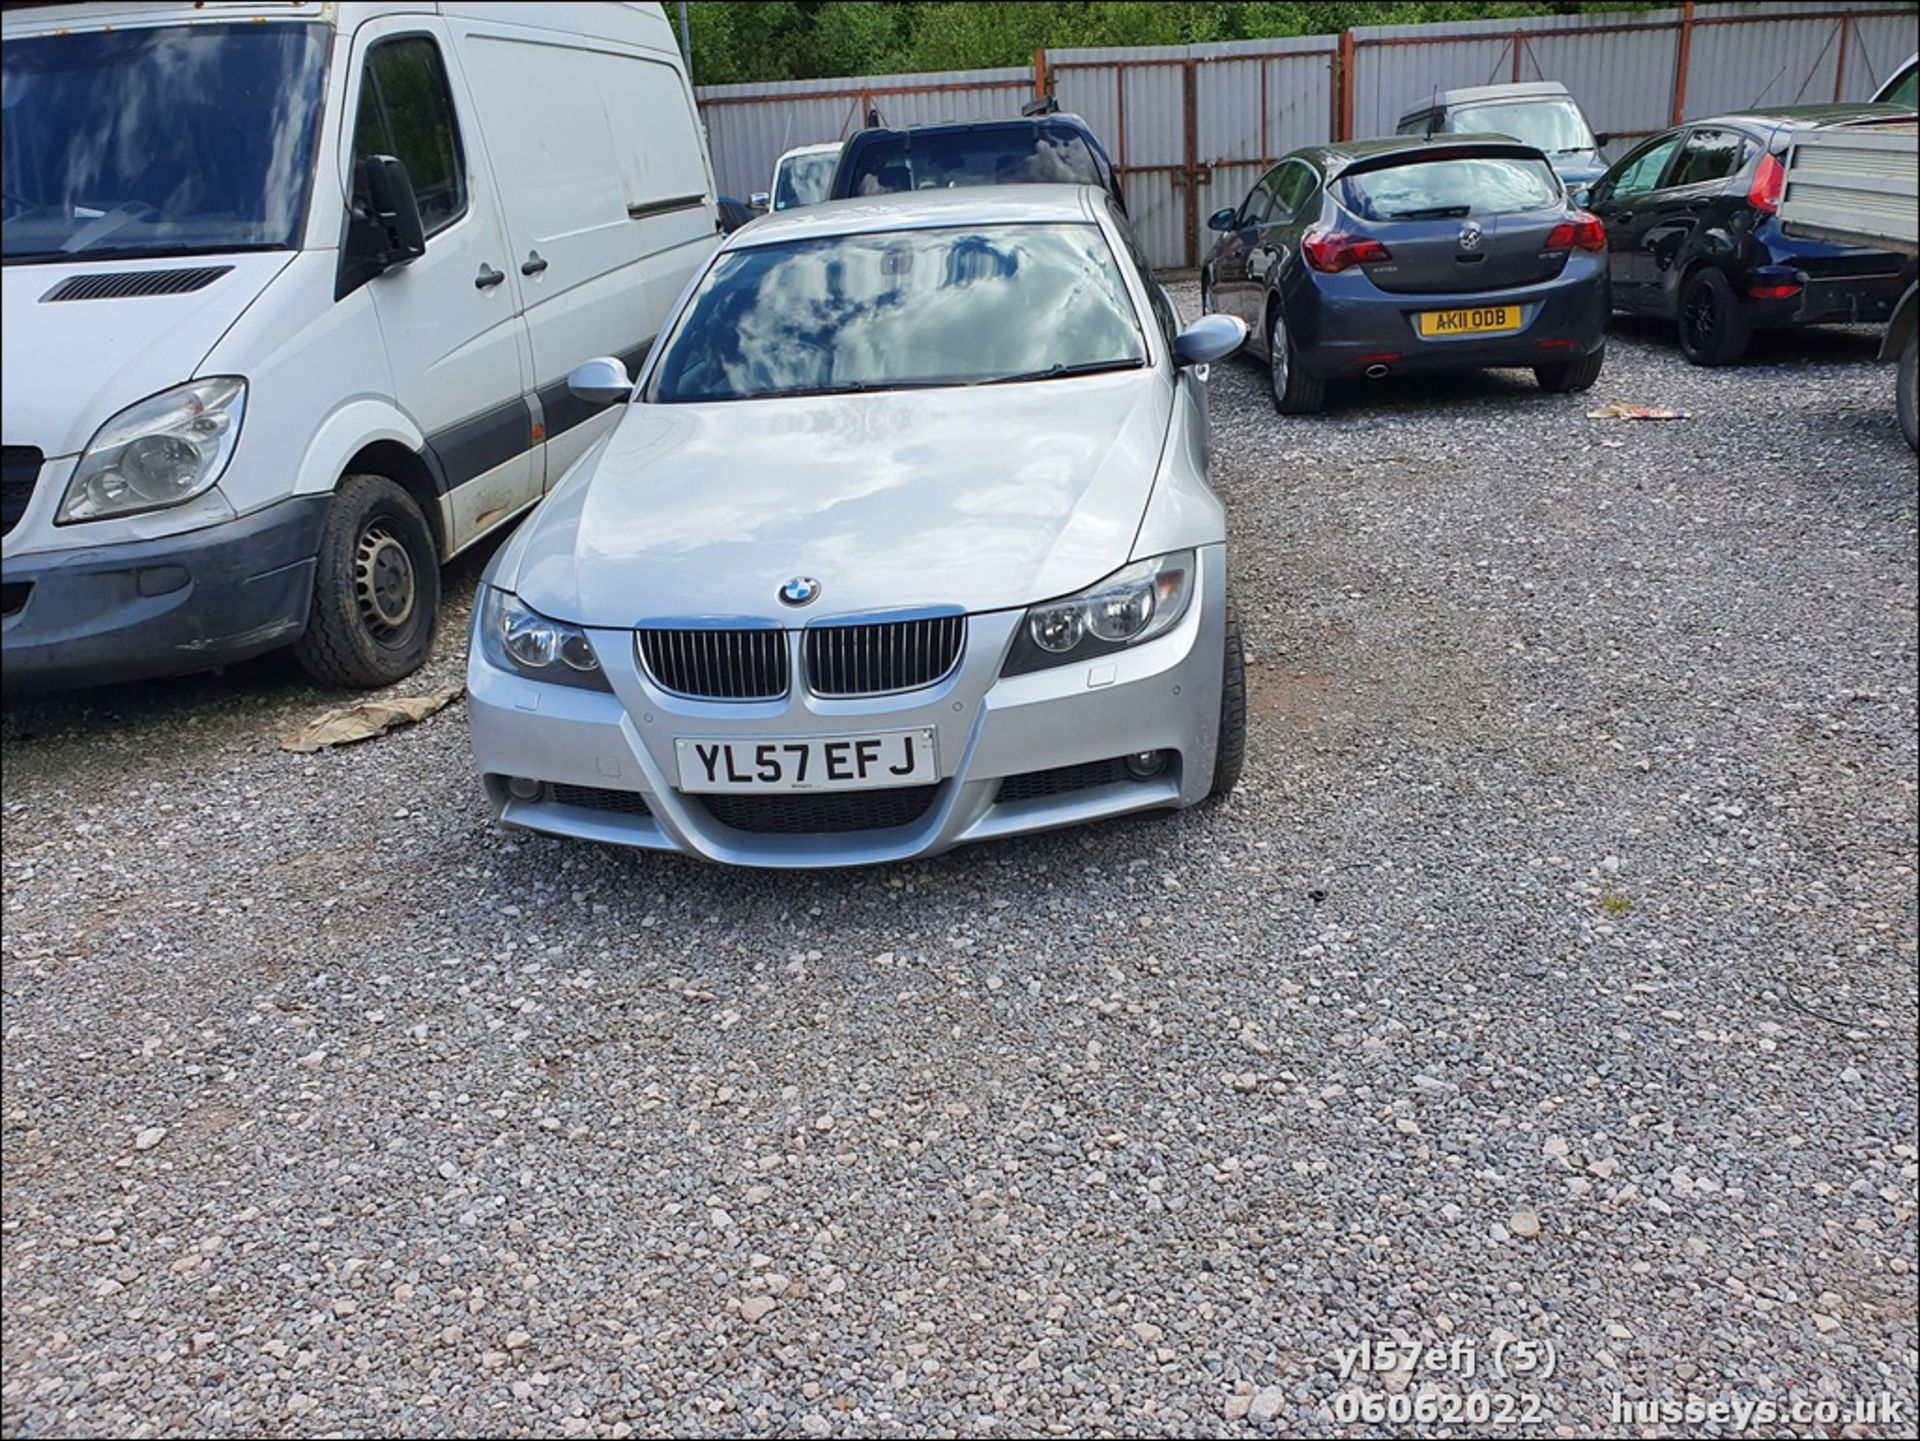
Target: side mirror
(1580, 196)
(1602, 140)
(600, 381)
(393, 211)
(1210, 338)
(758, 202)
(1221, 219)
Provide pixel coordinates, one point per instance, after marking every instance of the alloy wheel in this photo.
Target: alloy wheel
(1699, 317)
(1277, 353)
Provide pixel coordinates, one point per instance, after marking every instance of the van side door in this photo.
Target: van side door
(449, 319)
(608, 198)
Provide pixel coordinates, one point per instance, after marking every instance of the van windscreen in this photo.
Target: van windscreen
(169, 140)
(1554, 126)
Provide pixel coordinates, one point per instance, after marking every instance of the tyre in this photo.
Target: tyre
(1574, 375)
(1294, 391)
(376, 588)
(1230, 753)
(1713, 328)
(1903, 390)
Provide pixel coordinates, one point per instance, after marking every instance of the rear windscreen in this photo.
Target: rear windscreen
(1016, 155)
(1443, 189)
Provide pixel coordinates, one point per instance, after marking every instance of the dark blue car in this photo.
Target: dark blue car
(1046, 146)
(1383, 257)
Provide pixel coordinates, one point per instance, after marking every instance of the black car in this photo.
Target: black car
(1693, 235)
(1045, 147)
(1387, 256)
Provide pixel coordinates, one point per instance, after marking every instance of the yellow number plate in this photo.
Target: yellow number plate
(1486, 320)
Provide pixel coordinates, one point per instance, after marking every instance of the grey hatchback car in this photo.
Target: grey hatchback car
(1379, 257)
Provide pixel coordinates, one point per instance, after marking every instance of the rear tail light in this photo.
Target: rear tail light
(1579, 231)
(1769, 182)
(1773, 289)
(1332, 251)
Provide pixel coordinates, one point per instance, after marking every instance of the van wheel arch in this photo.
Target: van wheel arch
(406, 469)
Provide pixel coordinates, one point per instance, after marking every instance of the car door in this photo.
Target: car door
(1231, 279)
(1295, 186)
(450, 318)
(1685, 202)
(606, 196)
(1622, 198)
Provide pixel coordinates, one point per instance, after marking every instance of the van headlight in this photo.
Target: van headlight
(514, 637)
(162, 451)
(1132, 605)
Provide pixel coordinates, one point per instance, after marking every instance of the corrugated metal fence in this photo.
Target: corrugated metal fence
(1191, 127)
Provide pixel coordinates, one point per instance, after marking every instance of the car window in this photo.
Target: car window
(1296, 182)
(1258, 205)
(1640, 170)
(803, 179)
(1163, 311)
(1419, 189)
(1709, 155)
(406, 111)
(1554, 126)
(963, 305)
(1903, 89)
(1012, 155)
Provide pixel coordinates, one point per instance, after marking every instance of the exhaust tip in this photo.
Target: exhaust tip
(1375, 371)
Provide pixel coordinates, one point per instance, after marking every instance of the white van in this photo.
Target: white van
(291, 294)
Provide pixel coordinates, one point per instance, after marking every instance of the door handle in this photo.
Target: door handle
(488, 277)
(534, 264)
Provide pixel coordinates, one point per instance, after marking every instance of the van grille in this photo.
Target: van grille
(879, 659)
(717, 664)
(19, 472)
(121, 285)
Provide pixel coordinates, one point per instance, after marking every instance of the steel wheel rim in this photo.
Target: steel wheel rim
(1699, 317)
(383, 582)
(1277, 354)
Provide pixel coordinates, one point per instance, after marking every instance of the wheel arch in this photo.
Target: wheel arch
(1906, 315)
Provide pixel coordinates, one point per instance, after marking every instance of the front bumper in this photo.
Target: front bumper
(607, 768)
(138, 609)
(1344, 324)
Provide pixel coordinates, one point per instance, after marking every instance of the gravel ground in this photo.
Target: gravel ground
(1552, 977)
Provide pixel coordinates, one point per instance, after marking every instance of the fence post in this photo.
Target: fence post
(1840, 67)
(1039, 72)
(1680, 63)
(1517, 42)
(1345, 86)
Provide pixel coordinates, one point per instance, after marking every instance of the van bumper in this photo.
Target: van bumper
(185, 603)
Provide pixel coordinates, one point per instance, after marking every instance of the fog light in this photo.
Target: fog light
(1145, 765)
(524, 788)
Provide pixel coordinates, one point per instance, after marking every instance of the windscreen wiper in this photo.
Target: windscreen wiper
(1432, 212)
(1061, 370)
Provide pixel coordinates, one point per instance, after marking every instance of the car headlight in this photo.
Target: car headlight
(519, 639)
(162, 451)
(1133, 604)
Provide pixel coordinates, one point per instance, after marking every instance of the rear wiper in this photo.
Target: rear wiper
(1060, 370)
(1432, 212)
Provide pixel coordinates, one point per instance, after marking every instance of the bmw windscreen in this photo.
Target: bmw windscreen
(902, 309)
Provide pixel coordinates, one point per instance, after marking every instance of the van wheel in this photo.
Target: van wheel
(1574, 375)
(1294, 391)
(376, 588)
(1903, 387)
(1230, 752)
(1713, 328)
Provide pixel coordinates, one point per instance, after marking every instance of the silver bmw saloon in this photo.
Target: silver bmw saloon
(902, 539)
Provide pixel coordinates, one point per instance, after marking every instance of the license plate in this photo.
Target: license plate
(810, 763)
(1483, 320)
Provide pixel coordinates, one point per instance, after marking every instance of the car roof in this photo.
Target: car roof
(923, 210)
(1336, 156)
(824, 147)
(1481, 94)
(1800, 117)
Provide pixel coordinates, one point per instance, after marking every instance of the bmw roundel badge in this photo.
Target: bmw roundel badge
(801, 590)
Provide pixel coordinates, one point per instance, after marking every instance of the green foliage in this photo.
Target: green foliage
(736, 40)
